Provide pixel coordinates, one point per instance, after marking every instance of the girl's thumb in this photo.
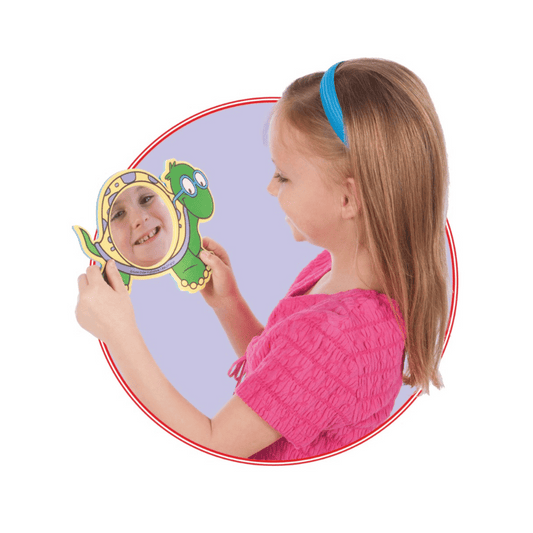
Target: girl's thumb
(113, 276)
(209, 258)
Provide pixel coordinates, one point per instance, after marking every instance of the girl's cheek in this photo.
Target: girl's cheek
(282, 196)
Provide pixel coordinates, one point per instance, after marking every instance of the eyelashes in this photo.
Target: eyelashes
(280, 178)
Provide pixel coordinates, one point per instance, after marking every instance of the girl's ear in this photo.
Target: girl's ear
(350, 200)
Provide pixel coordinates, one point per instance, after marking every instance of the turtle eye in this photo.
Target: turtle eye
(188, 186)
(200, 179)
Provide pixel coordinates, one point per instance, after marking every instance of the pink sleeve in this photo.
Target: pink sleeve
(306, 380)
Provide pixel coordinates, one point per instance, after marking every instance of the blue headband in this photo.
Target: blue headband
(330, 103)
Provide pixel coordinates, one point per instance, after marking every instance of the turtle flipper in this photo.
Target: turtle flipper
(126, 279)
(192, 272)
(87, 244)
(92, 252)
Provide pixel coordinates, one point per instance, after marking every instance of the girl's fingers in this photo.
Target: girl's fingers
(208, 242)
(82, 282)
(93, 275)
(114, 277)
(213, 246)
(212, 261)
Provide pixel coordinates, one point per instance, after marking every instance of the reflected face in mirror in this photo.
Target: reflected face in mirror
(141, 226)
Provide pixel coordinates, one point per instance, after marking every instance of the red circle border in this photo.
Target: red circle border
(390, 420)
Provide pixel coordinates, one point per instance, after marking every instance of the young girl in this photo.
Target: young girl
(361, 172)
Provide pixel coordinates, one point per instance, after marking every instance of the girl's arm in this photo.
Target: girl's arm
(223, 295)
(106, 312)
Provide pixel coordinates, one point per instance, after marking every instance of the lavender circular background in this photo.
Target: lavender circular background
(180, 330)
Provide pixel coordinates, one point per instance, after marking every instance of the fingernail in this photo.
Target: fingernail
(204, 254)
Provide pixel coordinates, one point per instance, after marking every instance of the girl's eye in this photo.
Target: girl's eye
(116, 215)
(280, 178)
(146, 199)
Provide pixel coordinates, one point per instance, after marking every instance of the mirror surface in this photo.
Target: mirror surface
(141, 226)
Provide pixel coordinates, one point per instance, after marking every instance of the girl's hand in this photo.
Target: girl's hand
(222, 288)
(104, 310)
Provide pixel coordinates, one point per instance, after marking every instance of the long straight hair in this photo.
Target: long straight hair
(397, 158)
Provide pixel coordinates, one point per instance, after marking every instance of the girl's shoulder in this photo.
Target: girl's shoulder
(355, 308)
(360, 314)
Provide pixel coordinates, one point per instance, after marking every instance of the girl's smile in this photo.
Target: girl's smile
(148, 237)
(141, 226)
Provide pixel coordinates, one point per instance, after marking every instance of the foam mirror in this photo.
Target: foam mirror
(150, 226)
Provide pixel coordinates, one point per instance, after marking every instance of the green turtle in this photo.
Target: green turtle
(191, 191)
(188, 200)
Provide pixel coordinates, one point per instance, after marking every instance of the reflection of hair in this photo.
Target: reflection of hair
(397, 157)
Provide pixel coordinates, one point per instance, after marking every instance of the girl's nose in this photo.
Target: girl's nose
(139, 216)
(273, 187)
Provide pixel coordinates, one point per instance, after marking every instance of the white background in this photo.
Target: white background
(85, 88)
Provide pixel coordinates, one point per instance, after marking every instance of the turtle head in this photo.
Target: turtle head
(191, 189)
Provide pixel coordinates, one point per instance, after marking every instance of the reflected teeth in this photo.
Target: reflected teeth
(146, 237)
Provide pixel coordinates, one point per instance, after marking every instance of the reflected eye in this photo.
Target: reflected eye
(188, 186)
(146, 199)
(117, 214)
(200, 178)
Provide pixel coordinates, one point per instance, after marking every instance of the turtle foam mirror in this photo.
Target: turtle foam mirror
(149, 225)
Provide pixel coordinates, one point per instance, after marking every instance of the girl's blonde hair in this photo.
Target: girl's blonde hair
(397, 158)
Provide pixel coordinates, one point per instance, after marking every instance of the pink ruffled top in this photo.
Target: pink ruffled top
(325, 371)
